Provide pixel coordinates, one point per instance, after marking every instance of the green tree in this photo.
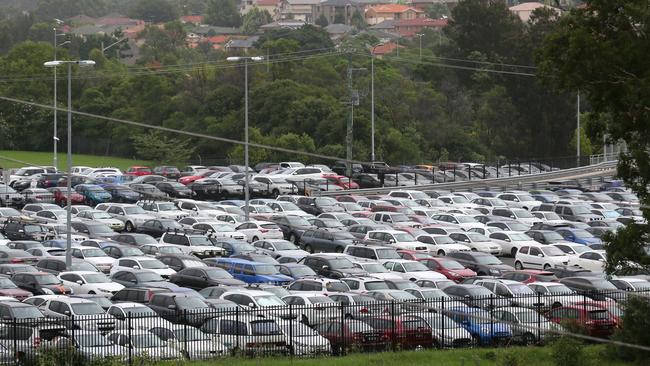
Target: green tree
(223, 13)
(358, 20)
(155, 11)
(322, 21)
(598, 50)
(437, 10)
(586, 148)
(157, 147)
(255, 18)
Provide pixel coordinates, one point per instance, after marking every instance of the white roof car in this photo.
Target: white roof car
(540, 256)
(412, 270)
(593, 260)
(86, 282)
(442, 244)
(511, 241)
(151, 264)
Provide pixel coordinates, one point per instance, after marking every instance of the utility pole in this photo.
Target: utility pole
(348, 135)
(578, 130)
(55, 138)
(420, 35)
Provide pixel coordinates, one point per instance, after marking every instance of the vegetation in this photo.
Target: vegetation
(45, 158)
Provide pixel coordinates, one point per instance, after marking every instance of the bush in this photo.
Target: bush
(636, 323)
(567, 351)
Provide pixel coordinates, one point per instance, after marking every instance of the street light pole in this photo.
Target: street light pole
(420, 37)
(55, 138)
(68, 253)
(578, 130)
(246, 162)
(372, 102)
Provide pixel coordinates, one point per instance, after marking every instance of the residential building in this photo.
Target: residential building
(377, 14)
(524, 10)
(271, 6)
(298, 10)
(337, 11)
(283, 24)
(410, 27)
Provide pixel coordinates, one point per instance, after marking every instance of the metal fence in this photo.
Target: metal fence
(322, 328)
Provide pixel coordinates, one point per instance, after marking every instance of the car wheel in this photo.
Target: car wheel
(308, 249)
(474, 250)
(513, 252)
(91, 292)
(129, 227)
(547, 267)
(441, 253)
(528, 339)
(275, 193)
(255, 238)
(293, 239)
(518, 265)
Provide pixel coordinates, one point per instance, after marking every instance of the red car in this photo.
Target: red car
(406, 332)
(448, 267)
(413, 255)
(529, 276)
(351, 198)
(596, 321)
(138, 171)
(61, 196)
(614, 310)
(354, 334)
(8, 288)
(341, 181)
(192, 178)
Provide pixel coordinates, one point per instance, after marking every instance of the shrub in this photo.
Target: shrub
(567, 351)
(636, 322)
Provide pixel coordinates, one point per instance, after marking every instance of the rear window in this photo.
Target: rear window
(265, 327)
(20, 333)
(414, 324)
(598, 315)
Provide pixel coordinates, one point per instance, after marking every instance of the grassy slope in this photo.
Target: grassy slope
(528, 356)
(45, 158)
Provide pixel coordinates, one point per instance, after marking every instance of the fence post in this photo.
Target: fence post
(491, 318)
(509, 169)
(442, 341)
(342, 317)
(186, 320)
(392, 326)
(291, 350)
(497, 169)
(469, 175)
(237, 331)
(539, 318)
(454, 172)
(530, 167)
(128, 326)
(483, 170)
(396, 179)
(16, 353)
(416, 178)
(518, 167)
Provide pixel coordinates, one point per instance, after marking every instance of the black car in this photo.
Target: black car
(475, 296)
(148, 191)
(40, 283)
(57, 265)
(179, 262)
(121, 193)
(9, 269)
(180, 308)
(201, 277)
(139, 278)
(596, 288)
(118, 251)
(366, 181)
(318, 205)
(94, 230)
(156, 228)
(49, 180)
(208, 189)
(169, 172)
(174, 189)
(14, 310)
(292, 226)
(325, 240)
(24, 230)
(140, 295)
(136, 239)
(332, 267)
(545, 236)
(483, 264)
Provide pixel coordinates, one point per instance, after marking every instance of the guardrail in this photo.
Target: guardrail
(579, 174)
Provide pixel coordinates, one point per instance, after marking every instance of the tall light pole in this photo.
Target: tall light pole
(578, 130)
(54, 64)
(55, 138)
(420, 35)
(246, 163)
(372, 102)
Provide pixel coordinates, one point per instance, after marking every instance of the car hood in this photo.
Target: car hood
(275, 278)
(15, 292)
(292, 253)
(228, 281)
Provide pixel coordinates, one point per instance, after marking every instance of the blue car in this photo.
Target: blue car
(233, 247)
(252, 272)
(56, 243)
(93, 194)
(479, 323)
(579, 236)
(121, 193)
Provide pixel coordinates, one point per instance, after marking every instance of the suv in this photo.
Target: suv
(57, 265)
(131, 215)
(538, 256)
(252, 272)
(394, 219)
(395, 238)
(84, 314)
(483, 264)
(25, 230)
(9, 197)
(331, 266)
(375, 252)
(324, 240)
(249, 333)
(193, 244)
(40, 283)
(576, 213)
(14, 310)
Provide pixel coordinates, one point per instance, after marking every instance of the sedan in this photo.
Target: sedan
(202, 277)
(82, 282)
(102, 217)
(592, 260)
(412, 270)
(279, 248)
(256, 230)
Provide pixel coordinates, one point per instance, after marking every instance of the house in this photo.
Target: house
(422, 4)
(192, 19)
(379, 13)
(337, 31)
(241, 44)
(108, 25)
(524, 10)
(271, 6)
(282, 24)
(410, 27)
(298, 10)
(336, 11)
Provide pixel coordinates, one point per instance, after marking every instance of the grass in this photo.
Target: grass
(45, 158)
(525, 356)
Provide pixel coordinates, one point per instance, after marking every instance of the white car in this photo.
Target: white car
(549, 217)
(51, 216)
(540, 256)
(139, 316)
(555, 294)
(465, 222)
(198, 208)
(260, 230)
(94, 256)
(305, 340)
(219, 229)
(364, 284)
(275, 185)
(442, 244)
(103, 217)
(458, 202)
(518, 214)
(396, 239)
(377, 270)
(511, 241)
(519, 200)
(412, 270)
(477, 242)
(183, 338)
(86, 282)
(151, 264)
(131, 215)
(592, 260)
(572, 249)
(288, 208)
(163, 210)
(143, 343)
(308, 306)
(277, 248)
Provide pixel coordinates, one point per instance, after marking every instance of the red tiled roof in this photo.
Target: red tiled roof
(217, 39)
(393, 8)
(192, 19)
(267, 2)
(385, 49)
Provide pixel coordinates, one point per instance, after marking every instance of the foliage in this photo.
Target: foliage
(586, 148)
(567, 351)
(436, 10)
(309, 37)
(635, 331)
(322, 21)
(255, 18)
(157, 147)
(358, 20)
(223, 13)
(599, 51)
(155, 11)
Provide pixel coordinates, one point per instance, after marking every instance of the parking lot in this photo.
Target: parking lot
(180, 263)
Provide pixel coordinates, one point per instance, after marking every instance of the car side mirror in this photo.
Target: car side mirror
(193, 208)
(601, 260)
(251, 305)
(67, 312)
(541, 255)
(171, 307)
(506, 239)
(324, 268)
(80, 282)
(136, 267)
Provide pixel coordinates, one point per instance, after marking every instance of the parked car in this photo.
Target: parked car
(40, 283)
(483, 264)
(202, 277)
(596, 322)
(481, 326)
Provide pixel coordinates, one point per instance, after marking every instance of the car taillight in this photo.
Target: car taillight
(16, 260)
(37, 341)
(357, 336)
(364, 310)
(264, 230)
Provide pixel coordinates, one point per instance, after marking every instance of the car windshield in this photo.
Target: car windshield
(297, 220)
(523, 214)
(131, 252)
(217, 273)
(265, 328)
(284, 245)
(628, 197)
(26, 312)
(340, 263)
(403, 237)
(90, 308)
(33, 228)
(520, 237)
(82, 266)
(100, 229)
(465, 219)
(443, 240)
(375, 267)
(96, 278)
(47, 280)
(148, 277)
(190, 302)
(598, 315)
(170, 250)
(200, 241)
(459, 200)
(387, 254)
(167, 207)
(139, 311)
(325, 201)
(95, 189)
(580, 210)
(433, 294)
(414, 267)
(302, 271)
(152, 264)
(6, 283)
(146, 340)
(397, 217)
(553, 236)
(92, 340)
(189, 263)
(552, 251)
(376, 285)
(477, 238)
(520, 289)
(137, 210)
(583, 234)
(101, 215)
(266, 269)
(487, 259)
(289, 206)
(191, 334)
(450, 264)
(93, 253)
(343, 235)
(559, 290)
(399, 295)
